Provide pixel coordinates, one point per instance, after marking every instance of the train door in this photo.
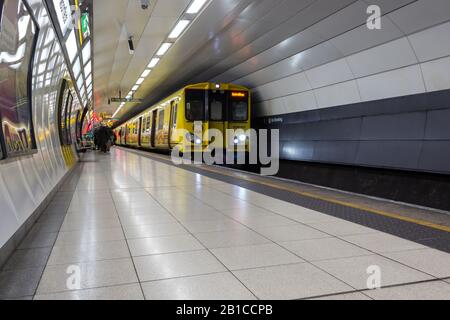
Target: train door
(140, 132)
(217, 112)
(153, 131)
(173, 120)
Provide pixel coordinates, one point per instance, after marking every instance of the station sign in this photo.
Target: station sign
(85, 25)
(64, 14)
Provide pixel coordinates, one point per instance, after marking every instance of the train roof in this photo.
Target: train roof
(197, 86)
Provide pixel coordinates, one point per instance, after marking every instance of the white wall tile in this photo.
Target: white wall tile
(400, 82)
(432, 43)
(338, 94)
(437, 74)
(330, 73)
(389, 56)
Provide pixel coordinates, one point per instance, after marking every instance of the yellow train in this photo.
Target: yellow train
(195, 108)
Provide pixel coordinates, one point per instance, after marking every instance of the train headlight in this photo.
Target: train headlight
(236, 140)
(242, 137)
(190, 137)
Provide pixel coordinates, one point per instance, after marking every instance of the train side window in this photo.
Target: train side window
(174, 115)
(148, 122)
(144, 124)
(161, 120)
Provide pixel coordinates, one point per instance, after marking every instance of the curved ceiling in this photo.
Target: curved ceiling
(317, 52)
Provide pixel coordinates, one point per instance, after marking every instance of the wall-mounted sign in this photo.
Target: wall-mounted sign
(85, 25)
(64, 14)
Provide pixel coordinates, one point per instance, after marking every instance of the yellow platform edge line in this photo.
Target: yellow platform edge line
(340, 202)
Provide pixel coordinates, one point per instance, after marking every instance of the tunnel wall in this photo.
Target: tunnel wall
(343, 94)
(26, 182)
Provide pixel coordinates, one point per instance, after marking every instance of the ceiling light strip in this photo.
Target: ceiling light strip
(194, 8)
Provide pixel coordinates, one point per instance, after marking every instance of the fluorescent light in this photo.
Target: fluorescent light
(164, 48)
(135, 88)
(196, 6)
(179, 28)
(140, 81)
(145, 73)
(153, 62)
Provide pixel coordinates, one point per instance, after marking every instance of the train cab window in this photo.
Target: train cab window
(195, 105)
(217, 102)
(161, 120)
(239, 106)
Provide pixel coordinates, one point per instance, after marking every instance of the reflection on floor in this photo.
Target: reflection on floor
(129, 227)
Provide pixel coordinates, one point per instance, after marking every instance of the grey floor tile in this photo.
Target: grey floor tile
(434, 262)
(142, 220)
(357, 271)
(89, 236)
(124, 292)
(324, 249)
(345, 296)
(436, 290)
(19, 283)
(154, 230)
(213, 226)
(46, 227)
(73, 225)
(220, 286)
(92, 275)
(250, 257)
(160, 245)
(382, 242)
(28, 259)
(342, 228)
(296, 281)
(291, 233)
(87, 252)
(173, 265)
(38, 240)
(231, 238)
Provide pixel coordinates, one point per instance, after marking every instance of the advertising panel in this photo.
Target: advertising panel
(18, 34)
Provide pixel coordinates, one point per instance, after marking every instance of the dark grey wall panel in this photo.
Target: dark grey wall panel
(295, 150)
(390, 154)
(438, 125)
(435, 156)
(403, 126)
(344, 129)
(407, 133)
(336, 151)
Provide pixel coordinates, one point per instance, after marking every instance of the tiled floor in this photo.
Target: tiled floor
(135, 228)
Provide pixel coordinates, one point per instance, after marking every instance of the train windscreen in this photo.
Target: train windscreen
(239, 106)
(195, 105)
